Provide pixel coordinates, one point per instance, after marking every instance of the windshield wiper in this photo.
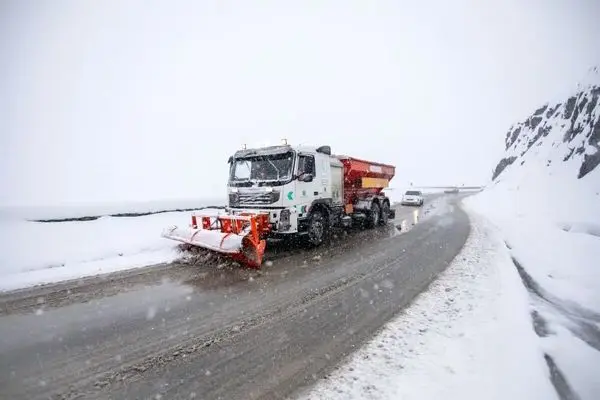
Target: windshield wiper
(274, 166)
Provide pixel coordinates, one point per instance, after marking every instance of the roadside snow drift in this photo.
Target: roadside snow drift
(38, 252)
(545, 199)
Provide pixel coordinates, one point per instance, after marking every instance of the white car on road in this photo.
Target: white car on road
(412, 198)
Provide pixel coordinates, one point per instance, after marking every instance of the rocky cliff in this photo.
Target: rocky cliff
(559, 132)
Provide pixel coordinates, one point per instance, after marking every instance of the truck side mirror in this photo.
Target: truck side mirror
(230, 160)
(305, 178)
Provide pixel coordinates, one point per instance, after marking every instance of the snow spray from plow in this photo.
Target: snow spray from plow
(238, 236)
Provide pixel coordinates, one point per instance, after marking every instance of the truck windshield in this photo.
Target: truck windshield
(274, 167)
(413, 193)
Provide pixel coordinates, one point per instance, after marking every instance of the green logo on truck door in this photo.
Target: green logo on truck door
(290, 196)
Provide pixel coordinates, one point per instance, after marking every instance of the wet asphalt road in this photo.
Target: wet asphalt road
(214, 331)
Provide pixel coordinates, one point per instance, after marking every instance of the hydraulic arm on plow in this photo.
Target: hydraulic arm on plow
(284, 191)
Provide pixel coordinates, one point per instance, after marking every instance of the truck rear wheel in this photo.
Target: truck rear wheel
(373, 217)
(317, 228)
(385, 214)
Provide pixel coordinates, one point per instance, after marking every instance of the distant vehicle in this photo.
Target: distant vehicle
(412, 198)
(451, 191)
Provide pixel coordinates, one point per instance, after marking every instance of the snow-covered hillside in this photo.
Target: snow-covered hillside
(562, 136)
(545, 200)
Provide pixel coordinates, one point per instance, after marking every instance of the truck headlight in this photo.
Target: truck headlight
(234, 199)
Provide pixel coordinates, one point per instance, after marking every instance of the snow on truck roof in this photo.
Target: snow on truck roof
(277, 149)
(284, 148)
(263, 151)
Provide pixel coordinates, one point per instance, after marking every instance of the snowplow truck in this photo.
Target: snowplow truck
(285, 191)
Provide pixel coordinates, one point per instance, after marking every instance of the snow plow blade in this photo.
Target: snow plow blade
(239, 237)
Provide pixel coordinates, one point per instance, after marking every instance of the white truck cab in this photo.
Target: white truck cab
(286, 182)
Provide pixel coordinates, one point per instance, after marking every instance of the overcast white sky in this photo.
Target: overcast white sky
(120, 100)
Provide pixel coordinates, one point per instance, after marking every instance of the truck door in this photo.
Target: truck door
(307, 186)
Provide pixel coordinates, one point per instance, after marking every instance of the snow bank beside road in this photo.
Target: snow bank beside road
(35, 252)
(551, 223)
(556, 247)
(545, 200)
(469, 336)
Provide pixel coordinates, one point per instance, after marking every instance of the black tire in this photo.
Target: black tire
(317, 228)
(374, 214)
(385, 214)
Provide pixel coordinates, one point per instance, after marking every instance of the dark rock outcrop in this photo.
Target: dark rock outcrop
(552, 110)
(533, 122)
(567, 131)
(513, 137)
(592, 105)
(594, 135)
(540, 110)
(590, 162)
(569, 107)
(505, 162)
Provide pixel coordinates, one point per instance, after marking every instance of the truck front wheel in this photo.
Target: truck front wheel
(317, 228)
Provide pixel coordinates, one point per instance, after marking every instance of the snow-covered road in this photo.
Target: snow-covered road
(150, 332)
(469, 336)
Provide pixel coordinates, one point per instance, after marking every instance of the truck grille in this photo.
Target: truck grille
(253, 199)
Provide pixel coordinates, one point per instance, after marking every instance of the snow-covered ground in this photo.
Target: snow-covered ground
(546, 203)
(561, 271)
(550, 222)
(37, 252)
(469, 336)
(557, 242)
(480, 332)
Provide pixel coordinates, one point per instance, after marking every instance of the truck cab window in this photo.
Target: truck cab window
(306, 165)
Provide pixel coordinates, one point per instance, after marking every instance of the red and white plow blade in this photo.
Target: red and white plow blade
(209, 239)
(237, 236)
